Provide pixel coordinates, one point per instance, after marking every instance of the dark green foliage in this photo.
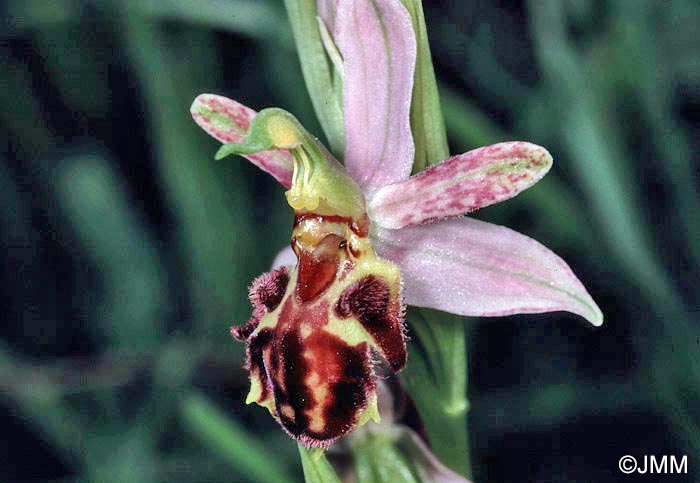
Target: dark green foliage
(127, 250)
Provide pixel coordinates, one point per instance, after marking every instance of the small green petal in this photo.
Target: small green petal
(320, 183)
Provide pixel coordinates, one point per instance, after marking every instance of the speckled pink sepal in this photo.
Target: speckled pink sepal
(461, 184)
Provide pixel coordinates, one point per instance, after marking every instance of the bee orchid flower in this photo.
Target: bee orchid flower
(368, 237)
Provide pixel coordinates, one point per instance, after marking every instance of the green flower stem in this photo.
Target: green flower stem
(377, 460)
(436, 379)
(317, 71)
(316, 467)
(427, 123)
(438, 355)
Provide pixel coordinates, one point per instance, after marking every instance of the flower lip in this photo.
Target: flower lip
(310, 352)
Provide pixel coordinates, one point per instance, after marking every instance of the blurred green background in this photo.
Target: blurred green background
(127, 251)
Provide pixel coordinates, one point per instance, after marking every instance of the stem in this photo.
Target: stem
(436, 379)
(316, 68)
(438, 355)
(427, 123)
(316, 467)
(378, 460)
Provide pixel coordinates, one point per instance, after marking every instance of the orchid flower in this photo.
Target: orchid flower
(368, 237)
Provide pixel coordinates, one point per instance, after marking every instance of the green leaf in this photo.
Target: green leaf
(427, 123)
(22, 112)
(261, 20)
(210, 201)
(317, 71)
(96, 202)
(466, 123)
(231, 441)
(598, 157)
(316, 467)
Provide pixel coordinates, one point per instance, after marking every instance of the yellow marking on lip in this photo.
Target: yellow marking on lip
(302, 201)
(288, 411)
(256, 392)
(305, 330)
(313, 379)
(317, 423)
(255, 389)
